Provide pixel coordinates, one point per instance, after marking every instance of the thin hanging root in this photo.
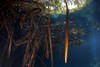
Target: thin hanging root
(26, 55)
(66, 35)
(66, 48)
(20, 43)
(10, 44)
(42, 61)
(22, 21)
(47, 51)
(9, 36)
(37, 44)
(66, 42)
(50, 43)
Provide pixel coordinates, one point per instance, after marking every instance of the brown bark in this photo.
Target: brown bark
(66, 34)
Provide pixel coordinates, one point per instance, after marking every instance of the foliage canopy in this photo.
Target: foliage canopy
(58, 6)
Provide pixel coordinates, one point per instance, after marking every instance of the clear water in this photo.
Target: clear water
(88, 55)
